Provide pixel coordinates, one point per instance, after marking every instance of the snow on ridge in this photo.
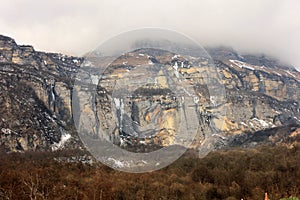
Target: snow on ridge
(242, 64)
(248, 67)
(277, 74)
(240, 56)
(290, 73)
(175, 56)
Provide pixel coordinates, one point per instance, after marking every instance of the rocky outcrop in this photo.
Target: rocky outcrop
(36, 98)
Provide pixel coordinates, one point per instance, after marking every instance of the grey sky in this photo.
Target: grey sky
(77, 26)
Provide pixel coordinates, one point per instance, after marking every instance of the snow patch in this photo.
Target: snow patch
(251, 124)
(64, 138)
(175, 56)
(143, 142)
(248, 67)
(261, 122)
(213, 100)
(196, 100)
(118, 163)
(175, 66)
(244, 124)
(120, 106)
(277, 74)
(52, 91)
(117, 103)
(6, 131)
(87, 64)
(95, 79)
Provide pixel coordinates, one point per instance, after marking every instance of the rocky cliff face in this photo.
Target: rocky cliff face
(37, 89)
(257, 98)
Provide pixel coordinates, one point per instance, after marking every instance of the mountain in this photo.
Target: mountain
(260, 105)
(36, 90)
(257, 100)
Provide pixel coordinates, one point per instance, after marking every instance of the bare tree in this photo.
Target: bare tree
(34, 187)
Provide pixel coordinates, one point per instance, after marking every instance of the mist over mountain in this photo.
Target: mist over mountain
(270, 27)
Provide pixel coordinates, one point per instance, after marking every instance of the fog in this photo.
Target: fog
(76, 26)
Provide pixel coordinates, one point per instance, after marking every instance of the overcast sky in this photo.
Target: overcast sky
(77, 26)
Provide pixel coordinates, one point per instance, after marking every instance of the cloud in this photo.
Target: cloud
(75, 27)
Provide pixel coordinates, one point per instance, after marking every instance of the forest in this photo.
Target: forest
(226, 174)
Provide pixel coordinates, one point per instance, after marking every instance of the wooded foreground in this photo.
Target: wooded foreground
(231, 174)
